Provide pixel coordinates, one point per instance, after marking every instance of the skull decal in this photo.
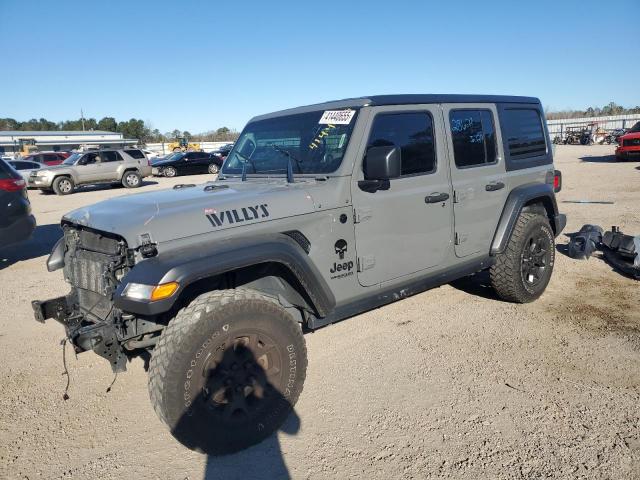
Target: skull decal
(341, 248)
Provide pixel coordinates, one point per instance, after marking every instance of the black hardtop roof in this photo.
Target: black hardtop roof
(402, 99)
(407, 99)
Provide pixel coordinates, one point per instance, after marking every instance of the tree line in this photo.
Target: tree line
(610, 109)
(133, 128)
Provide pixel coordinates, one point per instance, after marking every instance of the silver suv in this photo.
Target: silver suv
(126, 166)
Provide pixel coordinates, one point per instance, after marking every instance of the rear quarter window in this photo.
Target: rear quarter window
(134, 153)
(524, 136)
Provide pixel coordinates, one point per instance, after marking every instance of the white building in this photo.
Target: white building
(15, 141)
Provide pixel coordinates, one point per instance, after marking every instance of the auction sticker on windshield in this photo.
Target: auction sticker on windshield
(337, 117)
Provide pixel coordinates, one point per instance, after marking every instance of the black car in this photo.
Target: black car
(16, 221)
(187, 163)
(223, 151)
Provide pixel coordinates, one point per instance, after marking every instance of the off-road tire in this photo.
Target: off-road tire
(509, 272)
(194, 351)
(61, 185)
(127, 179)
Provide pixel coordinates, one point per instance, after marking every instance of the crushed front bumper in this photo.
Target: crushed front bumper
(84, 336)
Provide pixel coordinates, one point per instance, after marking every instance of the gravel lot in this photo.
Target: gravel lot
(448, 383)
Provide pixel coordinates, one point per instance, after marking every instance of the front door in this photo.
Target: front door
(89, 168)
(477, 173)
(408, 227)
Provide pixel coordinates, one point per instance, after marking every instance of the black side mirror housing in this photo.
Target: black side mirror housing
(380, 165)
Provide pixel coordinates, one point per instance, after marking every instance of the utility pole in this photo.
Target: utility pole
(82, 118)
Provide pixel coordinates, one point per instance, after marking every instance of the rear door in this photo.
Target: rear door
(397, 232)
(478, 174)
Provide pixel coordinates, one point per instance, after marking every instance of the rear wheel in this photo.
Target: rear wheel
(227, 370)
(213, 168)
(131, 179)
(63, 186)
(522, 272)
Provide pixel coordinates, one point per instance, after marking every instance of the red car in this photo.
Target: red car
(629, 144)
(48, 158)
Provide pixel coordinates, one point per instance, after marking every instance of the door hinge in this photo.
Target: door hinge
(366, 262)
(362, 214)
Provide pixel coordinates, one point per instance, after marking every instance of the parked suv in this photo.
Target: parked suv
(319, 213)
(16, 221)
(187, 163)
(126, 166)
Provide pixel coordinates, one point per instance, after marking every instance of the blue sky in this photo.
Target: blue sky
(199, 65)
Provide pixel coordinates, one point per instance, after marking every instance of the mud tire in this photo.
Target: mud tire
(192, 358)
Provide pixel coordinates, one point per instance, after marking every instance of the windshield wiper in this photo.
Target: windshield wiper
(247, 159)
(288, 154)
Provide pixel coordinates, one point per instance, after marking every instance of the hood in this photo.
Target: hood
(54, 168)
(179, 213)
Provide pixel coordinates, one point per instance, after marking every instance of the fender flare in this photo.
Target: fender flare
(516, 201)
(190, 264)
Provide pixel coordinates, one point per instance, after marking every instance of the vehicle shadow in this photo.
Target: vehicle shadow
(103, 186)
(599, 159)
(42, 240)
(478, 284)
(235, 419)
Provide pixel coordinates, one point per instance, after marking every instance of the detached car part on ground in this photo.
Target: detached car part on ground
(124, 166)
(620, 251)
(319, 213)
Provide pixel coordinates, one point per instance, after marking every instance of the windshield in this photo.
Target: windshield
(309, 141)
(72, 159)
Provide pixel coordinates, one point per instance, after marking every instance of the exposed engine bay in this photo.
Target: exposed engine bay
(93, 264)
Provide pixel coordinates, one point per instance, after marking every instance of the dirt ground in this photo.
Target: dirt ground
(448, 383)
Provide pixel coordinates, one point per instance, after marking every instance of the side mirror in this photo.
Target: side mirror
(380, 165)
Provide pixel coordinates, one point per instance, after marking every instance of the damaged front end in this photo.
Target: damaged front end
(94, 263)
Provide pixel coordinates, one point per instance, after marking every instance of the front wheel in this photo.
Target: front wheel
(227, 370)
(63, 186)
(522, 272)
(169, 172)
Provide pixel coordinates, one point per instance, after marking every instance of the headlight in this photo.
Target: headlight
(139, 291)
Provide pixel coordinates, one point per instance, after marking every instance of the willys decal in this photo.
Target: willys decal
(236, 215)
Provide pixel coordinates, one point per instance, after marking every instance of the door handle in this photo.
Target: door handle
(493, 186)
(436, 198)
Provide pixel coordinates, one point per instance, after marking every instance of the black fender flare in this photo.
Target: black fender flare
(190, 264)
(515, 203)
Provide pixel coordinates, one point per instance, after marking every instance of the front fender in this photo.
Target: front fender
(188, 265)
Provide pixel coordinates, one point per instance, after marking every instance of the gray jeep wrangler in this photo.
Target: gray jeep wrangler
(320, 213)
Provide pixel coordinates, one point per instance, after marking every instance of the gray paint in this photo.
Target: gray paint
(397, 239)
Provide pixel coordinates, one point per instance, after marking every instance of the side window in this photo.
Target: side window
(413, 133)
(137, 154)
(524, 133)
(50, 158)
(474, 137)
(110, 156)
(89, 159)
